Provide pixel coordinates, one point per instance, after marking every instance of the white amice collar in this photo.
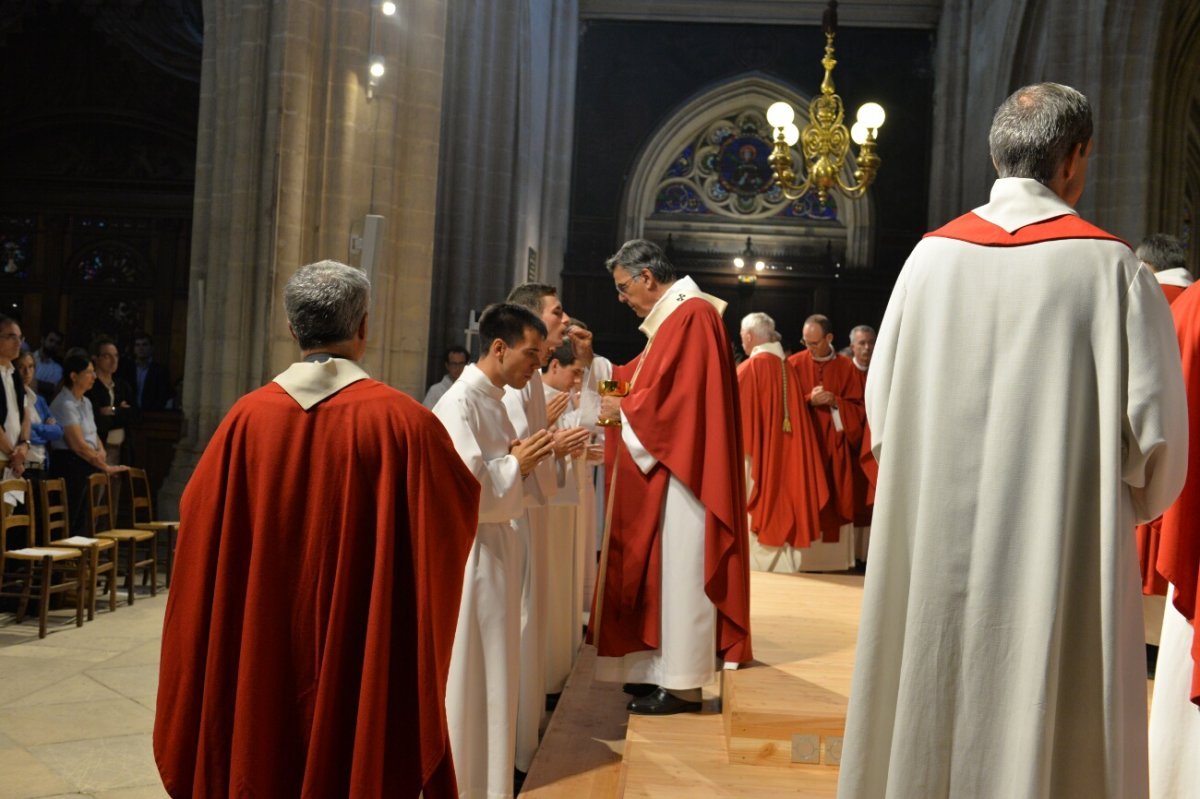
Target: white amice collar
(771, 348)
(832, 354)
(1174, 277)
(861, 368)
(1017, 202)
(308, 383)
(675, 295)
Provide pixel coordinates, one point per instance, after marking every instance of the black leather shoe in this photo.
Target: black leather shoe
(662, 703)
(639, 689)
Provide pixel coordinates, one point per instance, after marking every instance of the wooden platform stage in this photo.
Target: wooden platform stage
(776, 731)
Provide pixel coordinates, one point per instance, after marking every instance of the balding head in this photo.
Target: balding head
(818, 335)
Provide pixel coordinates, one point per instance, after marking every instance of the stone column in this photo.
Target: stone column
(291, 156)
(989, 48)
(506, 154)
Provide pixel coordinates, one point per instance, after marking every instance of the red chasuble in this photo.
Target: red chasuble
(1179, 544)
(788, 478)
(1172, 292)
(1148, 534)
(864, 465)
(314, 602)
(684, 406)
(839, 450)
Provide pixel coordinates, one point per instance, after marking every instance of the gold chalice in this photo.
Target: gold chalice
(611, 388)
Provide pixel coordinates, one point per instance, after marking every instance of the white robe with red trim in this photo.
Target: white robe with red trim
(1025, 406)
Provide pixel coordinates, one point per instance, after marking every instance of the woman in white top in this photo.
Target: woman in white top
(79, 453)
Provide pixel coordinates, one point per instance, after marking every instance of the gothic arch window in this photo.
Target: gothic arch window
(703, 180)
(109, 263)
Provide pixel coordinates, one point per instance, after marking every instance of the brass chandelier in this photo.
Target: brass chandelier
(825, 140)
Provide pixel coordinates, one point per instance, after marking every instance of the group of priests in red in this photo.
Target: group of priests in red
(804, 429)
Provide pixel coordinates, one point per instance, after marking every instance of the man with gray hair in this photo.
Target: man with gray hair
(1026, 409)
(315, 596)
(1167, 259)
(673, 590)
(785, 477)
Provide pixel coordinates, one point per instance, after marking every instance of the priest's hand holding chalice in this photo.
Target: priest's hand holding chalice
(611, 392)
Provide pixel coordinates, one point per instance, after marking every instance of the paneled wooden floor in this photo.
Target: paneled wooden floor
(804, 628)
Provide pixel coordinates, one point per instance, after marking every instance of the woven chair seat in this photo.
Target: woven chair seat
(83, 542)
(125, 534)
(155, 525)
(37, 553)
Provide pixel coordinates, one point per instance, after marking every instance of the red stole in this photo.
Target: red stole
(838, 450)
(1179, 544)
(788, 476)
(974, 229)
(684, 408)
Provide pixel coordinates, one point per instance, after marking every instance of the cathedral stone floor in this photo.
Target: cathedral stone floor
(77, 707)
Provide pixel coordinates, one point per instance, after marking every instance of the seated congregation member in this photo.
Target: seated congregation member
(43, 428)
(79, 453)
(484, 684)
(322, 673)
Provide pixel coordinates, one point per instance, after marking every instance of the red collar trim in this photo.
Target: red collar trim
(974, 229)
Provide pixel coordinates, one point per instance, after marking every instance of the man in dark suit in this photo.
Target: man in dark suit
(150, 380)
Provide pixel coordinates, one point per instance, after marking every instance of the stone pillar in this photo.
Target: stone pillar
(987, 49)
(291, 156)
(506, 154)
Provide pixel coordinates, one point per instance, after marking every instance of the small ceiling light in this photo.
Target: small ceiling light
(388, 8)
(377, 68)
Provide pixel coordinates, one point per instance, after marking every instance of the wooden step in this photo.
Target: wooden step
(790, 706)
(684, 757)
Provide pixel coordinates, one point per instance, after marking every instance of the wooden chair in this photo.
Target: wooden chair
(40, 562)
(100, 525)
(100, 553)
(144, 519)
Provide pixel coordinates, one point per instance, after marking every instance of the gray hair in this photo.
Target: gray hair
(1036, 128)
(638, 254)
(1161, 251)
(326, 302)
(861, 329)
(759, 325)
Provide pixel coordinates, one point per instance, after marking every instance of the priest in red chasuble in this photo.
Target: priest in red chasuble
(785, 486)
(312, 610)
(1175, 708)
(833, 391)
(1166, 257)
(862, 346)
(673, 599)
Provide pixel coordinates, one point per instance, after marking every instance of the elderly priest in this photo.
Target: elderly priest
(316, 588)
(1026, 409)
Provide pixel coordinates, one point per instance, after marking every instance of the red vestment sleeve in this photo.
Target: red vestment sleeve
(684, 408)
(1179, 542)
(314, 601)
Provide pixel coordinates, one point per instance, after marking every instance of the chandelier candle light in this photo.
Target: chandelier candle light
(825, 140)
